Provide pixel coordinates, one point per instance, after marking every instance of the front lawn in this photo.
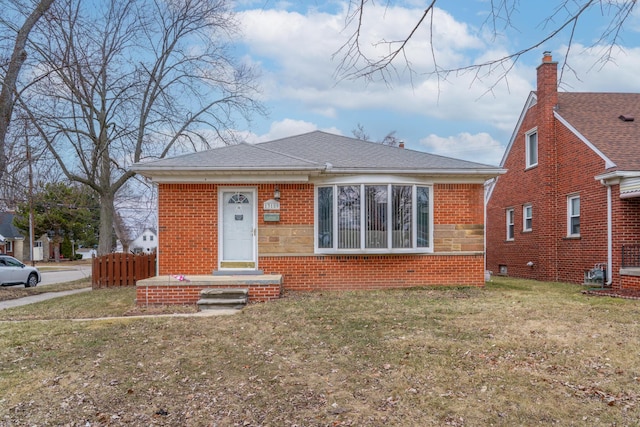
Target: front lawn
(515, 353)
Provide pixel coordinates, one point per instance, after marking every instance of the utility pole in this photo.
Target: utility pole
(31, 240)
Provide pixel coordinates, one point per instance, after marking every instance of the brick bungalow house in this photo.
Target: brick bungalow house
(318, 212)
(571, 196)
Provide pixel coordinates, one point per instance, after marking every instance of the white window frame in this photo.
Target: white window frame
(571, 214)
(527, 217)
(510, 214)
(388, 181)
(527, 142)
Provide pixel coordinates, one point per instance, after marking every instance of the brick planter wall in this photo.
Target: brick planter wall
(164, 290)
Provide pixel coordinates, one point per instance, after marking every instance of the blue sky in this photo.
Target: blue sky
(292, 44)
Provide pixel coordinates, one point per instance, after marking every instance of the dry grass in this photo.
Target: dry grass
(13, 292)
(515, 353)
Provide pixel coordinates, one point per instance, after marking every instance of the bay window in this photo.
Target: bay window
(373, 218)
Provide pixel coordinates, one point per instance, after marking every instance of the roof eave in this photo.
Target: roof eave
(616, 175)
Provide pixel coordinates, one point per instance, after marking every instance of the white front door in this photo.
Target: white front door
(238, 225)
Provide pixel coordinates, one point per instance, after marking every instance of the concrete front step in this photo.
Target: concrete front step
(217, 303)
(224, 293)
(223, 298)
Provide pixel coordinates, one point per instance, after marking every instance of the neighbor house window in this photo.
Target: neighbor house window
(573, 215)
(144, 238)
(510, 223)
(373, 218)
(151, 237)
(527, 218)
(532, 148)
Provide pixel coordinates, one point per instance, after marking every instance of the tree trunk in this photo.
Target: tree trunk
(107, 210)
(56, 248)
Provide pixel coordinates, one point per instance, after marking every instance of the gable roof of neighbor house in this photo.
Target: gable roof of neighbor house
(7, 229)
(597, 117)
(315, 151)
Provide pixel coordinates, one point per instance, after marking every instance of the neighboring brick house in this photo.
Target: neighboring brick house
(296, 207)
(571, 196)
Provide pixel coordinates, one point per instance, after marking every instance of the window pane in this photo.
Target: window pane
(325, 217)
(349, 217)
(533, 148)
(575, 225)
(422, 197)
(574, 215)
(510, 226)
(401, 211)
(376, 202)
(527, 217)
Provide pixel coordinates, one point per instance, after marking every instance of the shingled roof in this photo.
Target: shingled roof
(7, 229)
(597, 117)
(315, 151)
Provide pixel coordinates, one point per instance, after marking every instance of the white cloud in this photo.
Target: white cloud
(296, 49)
(296, 52)
(596, 74)
(479, 148)
(285, 128)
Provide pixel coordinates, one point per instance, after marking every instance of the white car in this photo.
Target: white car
(13, 272)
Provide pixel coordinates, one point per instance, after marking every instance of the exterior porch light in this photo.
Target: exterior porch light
(276, 193)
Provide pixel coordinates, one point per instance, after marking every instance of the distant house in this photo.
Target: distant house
(322, 212)
(86, 253)
(11, 239)
(570, 201)
(146, 242)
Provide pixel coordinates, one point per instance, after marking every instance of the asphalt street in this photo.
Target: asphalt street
(52, 274)
(63, 274)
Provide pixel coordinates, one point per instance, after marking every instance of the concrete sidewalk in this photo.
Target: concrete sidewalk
(37, 298)
(50, 295)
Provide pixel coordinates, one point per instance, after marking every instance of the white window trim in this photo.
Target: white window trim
(528, 163)
(525, 207)
(569, 214)
(510, 225)
(362, 249)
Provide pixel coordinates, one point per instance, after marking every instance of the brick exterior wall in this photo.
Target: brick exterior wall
(188, 240)
(566, 166)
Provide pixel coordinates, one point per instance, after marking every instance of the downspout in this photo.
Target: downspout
(609, 238)
(609, 234)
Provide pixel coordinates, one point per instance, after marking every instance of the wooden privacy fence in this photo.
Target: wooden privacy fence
(114, 270)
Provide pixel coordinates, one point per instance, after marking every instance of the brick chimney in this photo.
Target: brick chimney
(546, 172)
(547, 89)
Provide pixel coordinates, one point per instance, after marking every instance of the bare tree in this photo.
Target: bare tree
(389, 139)
(565, 18)
(11, 69)
(24, 154)
(128, 80)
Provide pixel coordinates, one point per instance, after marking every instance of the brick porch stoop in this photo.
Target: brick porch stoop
(166, 290)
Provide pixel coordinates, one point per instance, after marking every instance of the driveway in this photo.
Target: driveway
(52, 274)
